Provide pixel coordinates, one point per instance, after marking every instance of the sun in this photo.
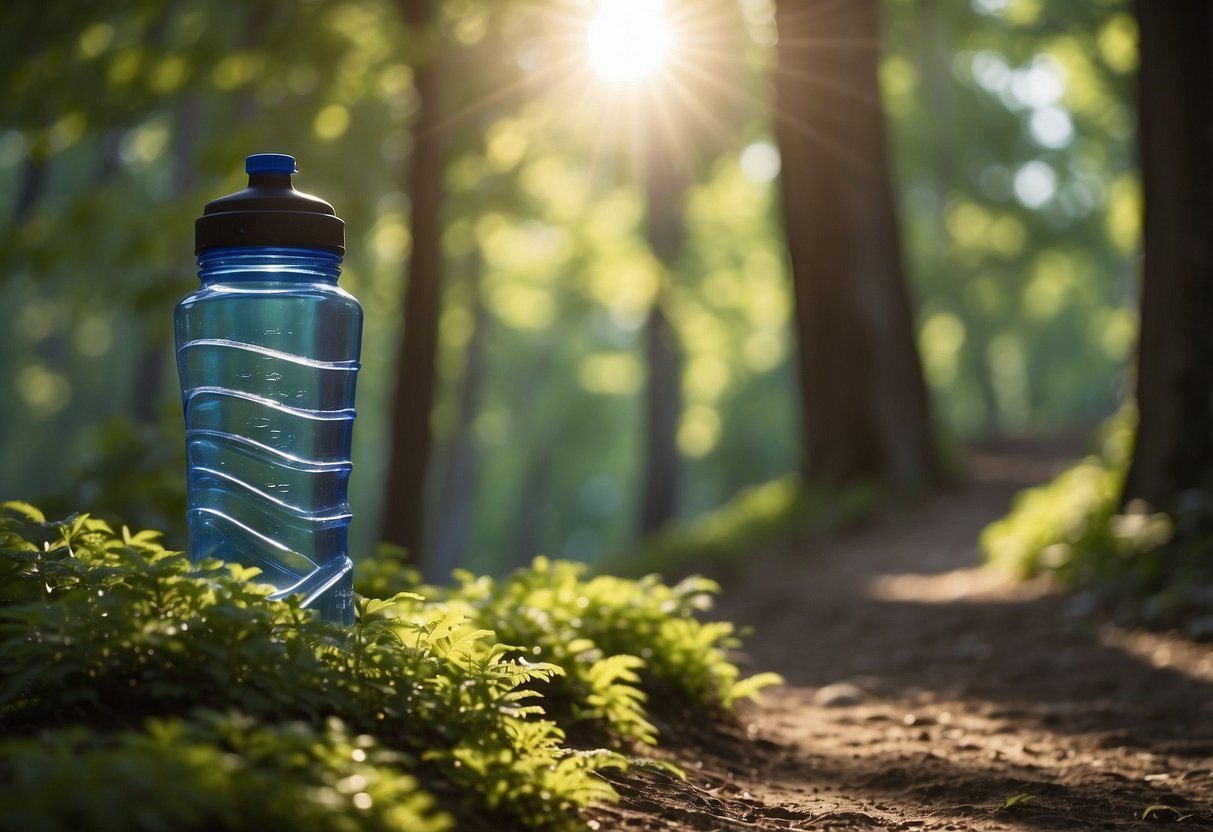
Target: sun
(628, 40)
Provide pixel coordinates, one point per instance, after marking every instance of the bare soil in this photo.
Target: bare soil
(924, 691)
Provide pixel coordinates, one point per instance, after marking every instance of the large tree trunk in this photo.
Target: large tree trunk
(864, 403)
(404, 500)
(1174, 449)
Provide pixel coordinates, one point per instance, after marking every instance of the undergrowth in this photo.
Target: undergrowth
(1149, 566)
(618, 640)
(758, 515)
(140, 692)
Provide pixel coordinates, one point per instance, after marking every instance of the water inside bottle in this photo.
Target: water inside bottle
(268, 370)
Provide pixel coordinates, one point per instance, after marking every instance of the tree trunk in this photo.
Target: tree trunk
(663, 405)
(864, 405)
(404, 500)
(457, 498)
(1174, 450)
(666, 234)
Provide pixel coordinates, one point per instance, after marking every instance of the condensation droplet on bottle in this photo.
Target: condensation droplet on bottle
(244, 374)
(259, 422)
(273, 376)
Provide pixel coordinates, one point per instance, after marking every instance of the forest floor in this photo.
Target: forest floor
(924, 690)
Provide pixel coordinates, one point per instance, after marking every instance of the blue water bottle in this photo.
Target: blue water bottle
(267, 350)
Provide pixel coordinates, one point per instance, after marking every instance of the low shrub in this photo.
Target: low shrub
(166, 695)
(1148, 566)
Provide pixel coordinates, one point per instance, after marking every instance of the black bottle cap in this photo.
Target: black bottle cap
(269, 212)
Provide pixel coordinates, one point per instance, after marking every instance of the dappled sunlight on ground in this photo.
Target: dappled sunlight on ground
(925, 690)
(1162, 650)
(974, 583)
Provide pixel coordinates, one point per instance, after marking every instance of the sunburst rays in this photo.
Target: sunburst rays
(698, 96)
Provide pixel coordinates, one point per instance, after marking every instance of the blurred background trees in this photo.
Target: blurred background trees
(573, 223)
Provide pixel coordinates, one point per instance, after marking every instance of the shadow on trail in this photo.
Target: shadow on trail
(834, 788)
(924, 691)
(902, 607)
(1021, 661)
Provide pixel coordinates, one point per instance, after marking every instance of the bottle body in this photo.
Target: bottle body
(268, 354)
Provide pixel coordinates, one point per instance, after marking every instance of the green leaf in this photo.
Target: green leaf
(1163, 812)
(752, 686)
(1019, 800)
(24, 509)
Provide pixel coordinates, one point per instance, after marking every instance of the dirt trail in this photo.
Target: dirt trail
(924, 691)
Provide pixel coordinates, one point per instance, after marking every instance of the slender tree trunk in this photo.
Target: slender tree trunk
(666, 233)
(1174, 449)
(663, 405)
(457, 498)
(404, 501)
(863, 401)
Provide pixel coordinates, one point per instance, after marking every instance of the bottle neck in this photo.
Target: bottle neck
(267, 263)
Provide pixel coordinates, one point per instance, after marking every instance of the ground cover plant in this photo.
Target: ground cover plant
(1149, 566)
(139, 692)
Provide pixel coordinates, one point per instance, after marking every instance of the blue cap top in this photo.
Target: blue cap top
(270, 163)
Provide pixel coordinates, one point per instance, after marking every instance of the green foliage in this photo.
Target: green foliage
(105, 629)
(1162, 813)
(121, 120)
(1021, 799)
(617, 640)
(197, 694)
(1156, 566)
(1022, 216)
(211, 772)
(604, 630)
(758, 515)
(1053, 526)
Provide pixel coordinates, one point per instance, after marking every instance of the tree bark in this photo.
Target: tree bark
(404, 500)
(1174, 450)
(665, 231)
(864, 406)
(663, 406)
